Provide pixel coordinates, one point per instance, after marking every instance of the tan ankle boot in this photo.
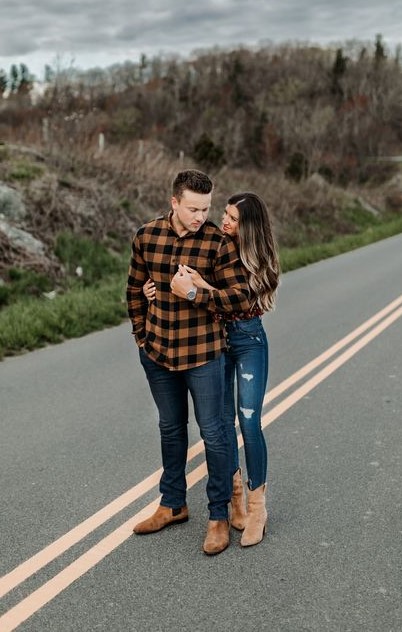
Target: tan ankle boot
(238, 503)
(217, 539)
(256, 517)
(163, 517)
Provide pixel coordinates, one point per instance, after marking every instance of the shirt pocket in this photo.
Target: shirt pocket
(203, 265)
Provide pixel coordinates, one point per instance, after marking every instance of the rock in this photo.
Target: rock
(21, 239)
(318, 180)
(367, 207)
(12, 206)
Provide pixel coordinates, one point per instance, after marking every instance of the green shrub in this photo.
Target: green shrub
(25, 171)
(297, 169)
(326, 172)
(93, 257)
(27, 283)
(127, 123)
(4, 295)
(207, 153)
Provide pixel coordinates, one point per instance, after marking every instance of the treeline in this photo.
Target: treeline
(291, 107)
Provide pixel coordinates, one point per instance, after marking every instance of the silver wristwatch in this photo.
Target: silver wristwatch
(191, 294)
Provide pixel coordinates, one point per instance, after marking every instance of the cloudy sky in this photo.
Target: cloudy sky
(89, 33)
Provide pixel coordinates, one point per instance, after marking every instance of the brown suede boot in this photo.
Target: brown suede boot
(163, 517)
(217, 539)
(238, 503)
(256, 517)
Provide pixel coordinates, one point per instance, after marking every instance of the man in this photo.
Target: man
(181, 345)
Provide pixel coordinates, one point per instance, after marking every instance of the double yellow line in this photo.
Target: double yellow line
(362, 336)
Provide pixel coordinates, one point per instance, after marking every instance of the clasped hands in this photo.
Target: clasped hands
(183, 281)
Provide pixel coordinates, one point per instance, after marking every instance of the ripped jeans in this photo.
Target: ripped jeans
(247, 361)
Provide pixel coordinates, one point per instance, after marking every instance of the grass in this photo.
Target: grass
(30, 323)
(34, 322)
(293, 258)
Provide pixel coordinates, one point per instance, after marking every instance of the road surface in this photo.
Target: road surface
(79, 461)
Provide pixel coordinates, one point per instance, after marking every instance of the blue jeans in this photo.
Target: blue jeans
(170, 391)
(247, 361)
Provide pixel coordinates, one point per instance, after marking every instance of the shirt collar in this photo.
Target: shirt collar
(188, 233)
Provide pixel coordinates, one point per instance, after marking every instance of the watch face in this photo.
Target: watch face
(191, 294)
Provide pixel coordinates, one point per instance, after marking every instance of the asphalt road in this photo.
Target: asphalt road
(78, 429)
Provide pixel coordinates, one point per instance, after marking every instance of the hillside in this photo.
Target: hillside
(43, 195)
(310, 129)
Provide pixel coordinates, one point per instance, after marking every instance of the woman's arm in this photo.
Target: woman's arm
(197, 279)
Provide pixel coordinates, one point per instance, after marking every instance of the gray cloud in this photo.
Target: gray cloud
(99, 34)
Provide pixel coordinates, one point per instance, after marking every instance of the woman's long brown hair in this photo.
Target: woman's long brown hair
(258, 248)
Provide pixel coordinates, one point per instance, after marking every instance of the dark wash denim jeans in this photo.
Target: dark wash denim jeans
(170, 391)
(247, 361)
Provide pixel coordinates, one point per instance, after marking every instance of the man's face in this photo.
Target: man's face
(190, 212)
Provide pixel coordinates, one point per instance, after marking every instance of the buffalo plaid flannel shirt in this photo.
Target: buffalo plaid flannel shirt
(173, 331)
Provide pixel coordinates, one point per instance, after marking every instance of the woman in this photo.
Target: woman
(246, 219)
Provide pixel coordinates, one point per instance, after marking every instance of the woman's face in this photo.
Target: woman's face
(230, 221)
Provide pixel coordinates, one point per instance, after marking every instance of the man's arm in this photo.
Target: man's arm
(136, 301)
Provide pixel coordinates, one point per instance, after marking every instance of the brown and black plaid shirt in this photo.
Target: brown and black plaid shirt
(175, 332)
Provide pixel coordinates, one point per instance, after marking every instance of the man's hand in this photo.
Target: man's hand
(181, 282)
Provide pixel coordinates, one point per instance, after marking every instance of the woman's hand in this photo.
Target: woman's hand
(197, 279)
(149, 290)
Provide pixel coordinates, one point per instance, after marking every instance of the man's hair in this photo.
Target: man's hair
(191, 180)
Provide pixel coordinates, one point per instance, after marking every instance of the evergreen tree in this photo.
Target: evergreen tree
(49, 74)
(142, 67)
(379, 53)
(3, 82)
(25, 80)
(338, 71)
(398, 55)
(14, 78)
